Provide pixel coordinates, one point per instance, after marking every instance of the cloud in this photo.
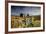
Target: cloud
(16, 10)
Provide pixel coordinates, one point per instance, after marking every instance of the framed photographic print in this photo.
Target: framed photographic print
(24, 17)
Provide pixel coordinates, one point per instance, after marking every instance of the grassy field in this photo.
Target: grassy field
(25, 22)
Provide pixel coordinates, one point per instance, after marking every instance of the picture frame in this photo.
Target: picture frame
(8, 12)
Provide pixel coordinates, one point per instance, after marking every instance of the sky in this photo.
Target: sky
(31, 10)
